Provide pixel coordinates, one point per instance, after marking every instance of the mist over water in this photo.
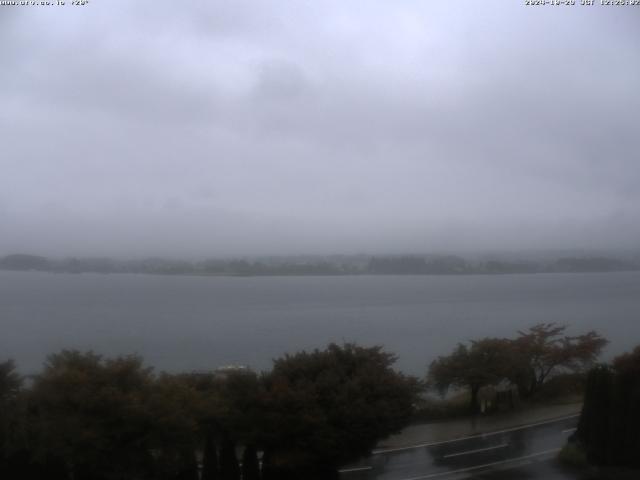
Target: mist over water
(133, 129)
(198, 323)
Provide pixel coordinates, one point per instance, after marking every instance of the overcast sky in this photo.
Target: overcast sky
(211, 128)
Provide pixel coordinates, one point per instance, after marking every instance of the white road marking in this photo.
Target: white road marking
(478, 450)
(355, 469)
(479, 435)
(486, 465)
(569, 430)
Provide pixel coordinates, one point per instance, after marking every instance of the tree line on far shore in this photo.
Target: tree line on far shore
(319, 265)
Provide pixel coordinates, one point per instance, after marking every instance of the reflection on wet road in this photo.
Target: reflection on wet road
(484, 455)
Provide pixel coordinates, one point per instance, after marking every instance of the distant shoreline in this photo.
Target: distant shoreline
(334, 266)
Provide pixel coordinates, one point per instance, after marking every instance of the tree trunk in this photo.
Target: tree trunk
(250, 467)
(229, 468)
(267, 468)
(533, 387)
(189, 467)
(473, 405)
(210, 470)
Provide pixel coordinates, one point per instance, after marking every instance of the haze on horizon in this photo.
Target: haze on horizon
(225, 128)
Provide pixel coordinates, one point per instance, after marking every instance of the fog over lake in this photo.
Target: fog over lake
(135, 129)
(192, 323)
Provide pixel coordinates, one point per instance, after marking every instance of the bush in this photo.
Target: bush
(430, 409)
(561, 387)
(572, 455)
(610, 420)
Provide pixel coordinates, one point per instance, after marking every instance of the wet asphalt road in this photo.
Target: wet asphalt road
(516, 453)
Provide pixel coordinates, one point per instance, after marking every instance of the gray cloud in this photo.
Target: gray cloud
(272, 127)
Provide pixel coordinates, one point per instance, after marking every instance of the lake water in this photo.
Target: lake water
(186, 323)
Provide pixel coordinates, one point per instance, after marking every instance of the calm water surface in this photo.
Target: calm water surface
(184, 323)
